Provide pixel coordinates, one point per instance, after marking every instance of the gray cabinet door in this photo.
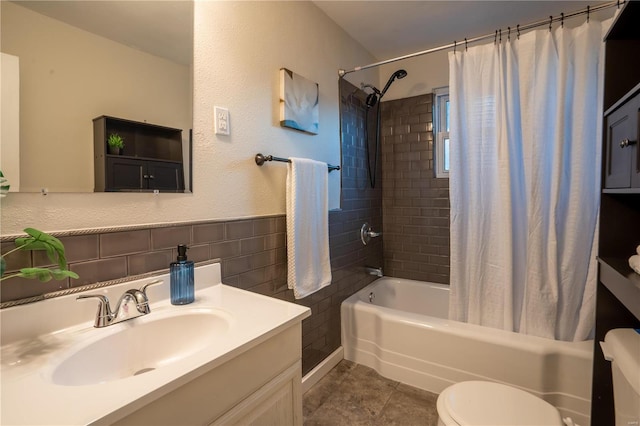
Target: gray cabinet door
(621, 145)
(635, 160)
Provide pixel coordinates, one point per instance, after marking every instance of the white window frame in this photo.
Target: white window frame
(440, 131)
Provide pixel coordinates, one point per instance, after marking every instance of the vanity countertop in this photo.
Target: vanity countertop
(37, 336)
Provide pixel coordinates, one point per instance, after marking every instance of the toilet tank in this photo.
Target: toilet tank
(621, 346)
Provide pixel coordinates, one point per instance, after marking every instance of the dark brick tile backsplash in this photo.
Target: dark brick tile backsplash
(128, 242)
(99, 270)
(167, 238)
(20, 288)
(17, 260)
(238, 229)
(208, 233)
(77, 249)
(152, 261)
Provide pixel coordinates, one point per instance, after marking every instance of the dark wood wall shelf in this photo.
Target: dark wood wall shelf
(151, 159)
(622, 282)
(621, 191)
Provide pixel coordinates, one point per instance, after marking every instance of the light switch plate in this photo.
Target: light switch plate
(221, 120)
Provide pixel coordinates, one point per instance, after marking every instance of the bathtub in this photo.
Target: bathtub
(400, 328)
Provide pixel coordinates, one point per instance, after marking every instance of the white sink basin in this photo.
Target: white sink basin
(138, 346)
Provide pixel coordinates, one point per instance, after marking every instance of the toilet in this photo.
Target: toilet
(486, 403)
(477, 403)
(621, 346)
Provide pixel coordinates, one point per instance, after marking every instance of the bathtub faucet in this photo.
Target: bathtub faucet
(373, 271)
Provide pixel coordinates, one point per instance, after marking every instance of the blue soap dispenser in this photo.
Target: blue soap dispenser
(182, 284)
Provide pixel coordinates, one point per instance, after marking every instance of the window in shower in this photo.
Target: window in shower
(441, 131)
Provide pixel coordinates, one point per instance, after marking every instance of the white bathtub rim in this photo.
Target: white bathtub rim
(534, 343)
(410, 351)
(387, 356)
(405, 280)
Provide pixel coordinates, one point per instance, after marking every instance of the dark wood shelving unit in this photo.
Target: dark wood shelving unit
(622, 281)
(618, 290)
(151, 159)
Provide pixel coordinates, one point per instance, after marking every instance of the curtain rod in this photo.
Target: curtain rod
(465, 42)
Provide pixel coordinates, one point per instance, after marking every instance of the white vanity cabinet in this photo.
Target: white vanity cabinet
(230, 357)
(261, 386)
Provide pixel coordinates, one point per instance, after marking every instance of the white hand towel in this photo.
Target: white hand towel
(634, 262)
(307, 226)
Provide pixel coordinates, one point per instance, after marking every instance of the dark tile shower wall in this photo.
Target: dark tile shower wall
(252, 251)
(415, 204)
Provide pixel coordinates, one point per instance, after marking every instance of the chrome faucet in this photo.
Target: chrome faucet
(138, 298)
(373, 271)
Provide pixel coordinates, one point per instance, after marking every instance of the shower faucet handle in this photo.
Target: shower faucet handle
(366, 234)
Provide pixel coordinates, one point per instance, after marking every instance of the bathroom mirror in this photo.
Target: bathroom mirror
(79, 60)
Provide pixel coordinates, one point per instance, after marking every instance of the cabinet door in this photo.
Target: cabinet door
(165, 176)
(619, 149)
(125, 174)
(279, 402)
(635, 166)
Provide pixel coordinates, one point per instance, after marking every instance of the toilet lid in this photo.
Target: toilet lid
(487, 403)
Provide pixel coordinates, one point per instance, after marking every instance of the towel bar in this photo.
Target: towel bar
(260, 159)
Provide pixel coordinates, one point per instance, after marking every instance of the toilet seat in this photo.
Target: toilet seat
(488, 403)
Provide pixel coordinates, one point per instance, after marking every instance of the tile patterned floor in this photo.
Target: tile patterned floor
(352, 394)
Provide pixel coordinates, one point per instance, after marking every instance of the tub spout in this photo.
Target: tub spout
(373, 271)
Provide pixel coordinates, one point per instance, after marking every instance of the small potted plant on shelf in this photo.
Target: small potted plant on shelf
(115, 143)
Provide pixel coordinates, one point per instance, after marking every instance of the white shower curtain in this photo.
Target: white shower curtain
(524, 181)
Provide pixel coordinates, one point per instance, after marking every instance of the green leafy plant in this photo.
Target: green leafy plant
(4, 185)
(38, 240)
(115, 140)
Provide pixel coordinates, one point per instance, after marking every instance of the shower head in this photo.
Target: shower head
(398, 74)
(372, 99)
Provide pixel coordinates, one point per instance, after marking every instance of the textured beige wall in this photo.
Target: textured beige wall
(68, 78)
(239, 49)
(425, 73)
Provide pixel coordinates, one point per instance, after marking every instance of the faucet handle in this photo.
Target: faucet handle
(104, 310)
(143, 289)
(366, 233)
